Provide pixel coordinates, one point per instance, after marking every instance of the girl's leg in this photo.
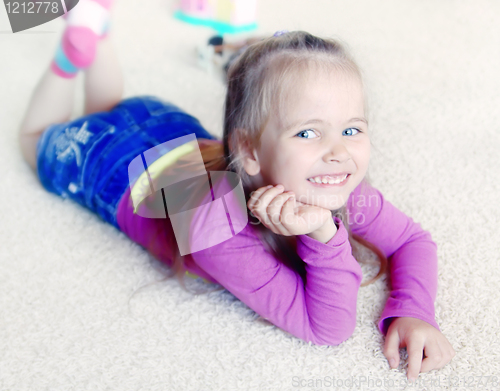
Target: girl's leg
(103, 80)
(51, 102)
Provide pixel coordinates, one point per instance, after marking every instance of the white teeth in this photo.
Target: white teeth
(329, 180)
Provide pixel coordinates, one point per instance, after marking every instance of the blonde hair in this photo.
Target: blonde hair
(257, 84)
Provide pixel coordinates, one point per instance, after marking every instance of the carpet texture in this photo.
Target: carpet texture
(69, 318)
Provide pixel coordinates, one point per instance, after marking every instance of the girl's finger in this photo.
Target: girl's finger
(391, 347)
(415, 349)
(288, 215)
(433, 358)
(273, 211)
(255, 195)
(276, 211)
(259, 208)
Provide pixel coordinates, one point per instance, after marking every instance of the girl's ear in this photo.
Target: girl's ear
(250, 159)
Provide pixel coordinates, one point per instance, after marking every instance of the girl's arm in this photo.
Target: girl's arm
(411, 252)
(408, 317)
(322, 311)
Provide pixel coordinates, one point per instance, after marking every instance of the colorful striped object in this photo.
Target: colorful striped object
(225, 16)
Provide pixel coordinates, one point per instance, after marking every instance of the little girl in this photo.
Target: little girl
(296, 136)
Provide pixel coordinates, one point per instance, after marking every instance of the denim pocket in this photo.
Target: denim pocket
(65, 153)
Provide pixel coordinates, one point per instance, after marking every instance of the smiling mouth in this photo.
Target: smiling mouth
(327, 180)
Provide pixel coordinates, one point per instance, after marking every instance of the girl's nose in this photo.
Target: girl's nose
(337, 153)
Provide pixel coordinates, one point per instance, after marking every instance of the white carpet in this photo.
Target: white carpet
(68, 320)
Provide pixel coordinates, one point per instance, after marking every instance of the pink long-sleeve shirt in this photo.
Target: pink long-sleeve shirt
(323, 310)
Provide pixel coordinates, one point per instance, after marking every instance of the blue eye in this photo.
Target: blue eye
(350, 132)
(305, 131)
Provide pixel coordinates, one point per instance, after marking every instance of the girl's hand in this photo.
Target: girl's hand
(418, 337)
(284, 215)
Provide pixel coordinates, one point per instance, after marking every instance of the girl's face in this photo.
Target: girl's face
(322, 133)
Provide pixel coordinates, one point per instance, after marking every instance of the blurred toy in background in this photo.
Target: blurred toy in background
(225, 16)
(219, 54)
